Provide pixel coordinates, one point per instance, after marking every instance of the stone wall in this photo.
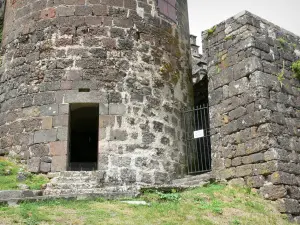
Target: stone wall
(255, 117)
(136, 64)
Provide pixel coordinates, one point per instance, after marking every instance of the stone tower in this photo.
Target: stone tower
(96, 85)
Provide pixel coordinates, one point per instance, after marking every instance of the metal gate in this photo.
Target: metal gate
(197, 139)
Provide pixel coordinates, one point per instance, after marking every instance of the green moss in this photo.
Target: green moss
(282, 42)
(175, 77)
(296, 69)
(211, 31)
(166, 68)
(230, 37)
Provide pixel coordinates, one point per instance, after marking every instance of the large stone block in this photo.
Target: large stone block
(62, 133)
(273, 192)
(290, 206)
(58, 148)
(59, 163)
(118, 135)
(106, 121)
(255, 181)
(33, 164)
(44, 136)
(45, 167)
(242, 171)
(39, 150)
(117, 109)
(47, 123)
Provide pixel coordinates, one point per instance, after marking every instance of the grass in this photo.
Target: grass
(8, 176)
(214, 204)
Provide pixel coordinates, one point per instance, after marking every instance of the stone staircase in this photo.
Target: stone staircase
(194, 181)
(70, 183)
(84, 183)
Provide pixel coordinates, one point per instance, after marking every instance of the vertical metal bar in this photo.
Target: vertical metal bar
(202, 139)
(200, 168)
(208, 137)
(206, 115)
(194, 141)
(186, 142)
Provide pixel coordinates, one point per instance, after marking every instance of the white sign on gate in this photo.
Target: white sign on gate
(198, 134)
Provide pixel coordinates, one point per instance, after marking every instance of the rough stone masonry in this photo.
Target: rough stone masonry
(136, 64)
(255, 117)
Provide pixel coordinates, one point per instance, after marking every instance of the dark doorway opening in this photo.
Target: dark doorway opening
(201, 92)
(83, 136)
(196, 120)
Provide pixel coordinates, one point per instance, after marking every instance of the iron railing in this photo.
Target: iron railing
(197, 140)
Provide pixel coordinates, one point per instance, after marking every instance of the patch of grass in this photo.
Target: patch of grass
(214, 204)
(8, 176)
(235, 222)
(174, 197)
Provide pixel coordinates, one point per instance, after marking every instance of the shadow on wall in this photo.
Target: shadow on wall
(2, 8)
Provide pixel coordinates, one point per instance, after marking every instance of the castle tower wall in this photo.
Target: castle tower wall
(254, 107)
(132, 60)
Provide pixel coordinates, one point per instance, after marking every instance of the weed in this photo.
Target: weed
(255, 206)
(280, 76)
(235, 222)
(296, 69)
(230, 37)
(214, 206)
(211, 31)
(282, 42)
(173, 197)
(248, 190)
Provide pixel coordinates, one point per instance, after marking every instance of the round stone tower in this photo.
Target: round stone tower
(96, 85)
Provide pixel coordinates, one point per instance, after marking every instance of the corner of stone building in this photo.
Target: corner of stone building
(254, 119)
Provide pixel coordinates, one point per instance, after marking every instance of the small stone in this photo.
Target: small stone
(7, 172)
(23, 187)
(136, 202)
(22, 176)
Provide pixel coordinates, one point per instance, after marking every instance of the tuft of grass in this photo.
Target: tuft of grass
(8, 176)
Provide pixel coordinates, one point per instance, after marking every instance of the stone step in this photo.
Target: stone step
(77, 185)
(12, 194)
(76, 174)
(195, 183)
(13, 200)
(85, 179)
(58, 192)
(206, 177)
